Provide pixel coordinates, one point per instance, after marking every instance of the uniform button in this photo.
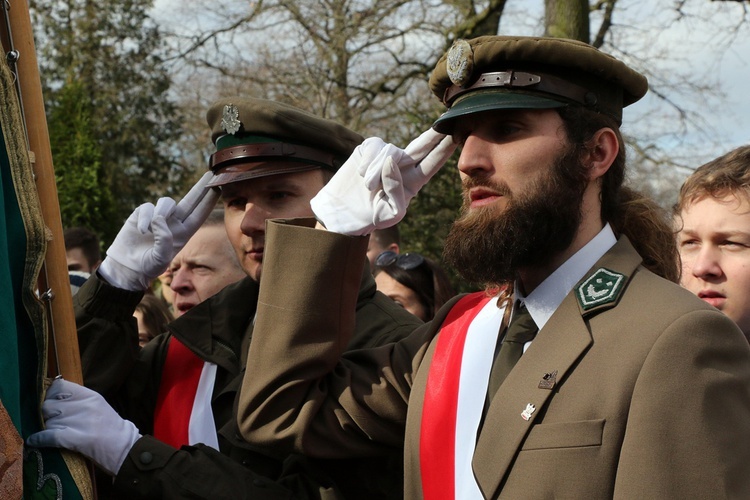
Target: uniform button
(146, 457)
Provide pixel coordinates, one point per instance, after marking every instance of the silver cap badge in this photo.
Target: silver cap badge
(230, 119)
(460, 62)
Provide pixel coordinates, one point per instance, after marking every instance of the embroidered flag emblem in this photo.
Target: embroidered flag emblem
(602, 287)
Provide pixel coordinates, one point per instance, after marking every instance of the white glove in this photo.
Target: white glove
(153, 235)
(374, 187)
(79, 419)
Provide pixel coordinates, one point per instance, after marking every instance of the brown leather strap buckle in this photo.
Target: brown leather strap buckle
(527, 81)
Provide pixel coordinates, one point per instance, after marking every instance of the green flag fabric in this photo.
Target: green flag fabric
(46, 473)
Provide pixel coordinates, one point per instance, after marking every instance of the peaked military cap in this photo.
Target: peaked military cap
(514, 72)
(258, 137)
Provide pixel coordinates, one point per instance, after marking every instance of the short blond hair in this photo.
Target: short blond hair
(726, 175)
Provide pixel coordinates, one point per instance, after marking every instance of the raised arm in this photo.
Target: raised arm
(104, 306)
(299, 393)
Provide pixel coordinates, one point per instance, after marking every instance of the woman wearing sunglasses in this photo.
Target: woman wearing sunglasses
(415, 282)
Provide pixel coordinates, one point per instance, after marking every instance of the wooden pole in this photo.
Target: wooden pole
(63, 340)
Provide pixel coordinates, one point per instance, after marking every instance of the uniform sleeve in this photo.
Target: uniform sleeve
(112, 362)
(688, 426)
(298, 392)
(107, 334)
(153, 469)
(380, 321)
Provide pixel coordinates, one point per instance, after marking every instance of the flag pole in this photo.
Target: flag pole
(54, 282)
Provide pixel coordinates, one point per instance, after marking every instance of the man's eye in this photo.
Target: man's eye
(733, 244)
(234, 202)
(505, 130)
(279, 195)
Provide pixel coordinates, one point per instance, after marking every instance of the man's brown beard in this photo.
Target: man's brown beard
(489, 245)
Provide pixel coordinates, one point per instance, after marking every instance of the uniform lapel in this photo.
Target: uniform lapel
(556, 347)
(563, 340)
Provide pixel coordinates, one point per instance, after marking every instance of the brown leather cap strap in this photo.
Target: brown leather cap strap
(525, 81)
(253, 152)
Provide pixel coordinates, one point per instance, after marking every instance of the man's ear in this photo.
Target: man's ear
(602, 151)
(393, 247)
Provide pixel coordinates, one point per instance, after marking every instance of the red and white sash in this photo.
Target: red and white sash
(454, 397)
(183, 414)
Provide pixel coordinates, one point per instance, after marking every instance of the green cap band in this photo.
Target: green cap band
(227, 141)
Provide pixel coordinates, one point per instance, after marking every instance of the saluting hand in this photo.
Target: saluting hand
(153, 235)
(374, 187)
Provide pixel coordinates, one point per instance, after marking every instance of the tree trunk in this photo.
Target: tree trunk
(567, 19)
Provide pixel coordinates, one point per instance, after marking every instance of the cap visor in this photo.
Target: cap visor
(480, 101)
(245, 171)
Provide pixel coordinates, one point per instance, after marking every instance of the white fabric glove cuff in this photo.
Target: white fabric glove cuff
(120, 276)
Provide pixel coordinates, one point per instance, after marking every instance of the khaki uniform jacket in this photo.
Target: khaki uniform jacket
(218, 330)
(651, 399)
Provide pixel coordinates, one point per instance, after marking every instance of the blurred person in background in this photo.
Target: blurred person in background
(383, 240)
(82, 249)
(414, 282)
(83, 253)
(713, 234)
(204, 266)
(161, 288)
(152, 317)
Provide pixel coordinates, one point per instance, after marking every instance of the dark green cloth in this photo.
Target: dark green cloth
(23, 247)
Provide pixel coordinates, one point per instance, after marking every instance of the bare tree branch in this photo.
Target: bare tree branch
(609, 7)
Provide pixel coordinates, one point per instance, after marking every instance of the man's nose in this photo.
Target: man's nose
(474, 158)
(254, 220)
(181, 281)
(707, 263)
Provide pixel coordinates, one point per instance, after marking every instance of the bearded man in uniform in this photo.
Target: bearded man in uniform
(589, 377)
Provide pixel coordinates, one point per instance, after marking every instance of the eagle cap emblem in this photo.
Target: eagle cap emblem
(460, 62)
(230, 119)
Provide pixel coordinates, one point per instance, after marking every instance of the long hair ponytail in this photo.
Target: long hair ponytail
(648, 226)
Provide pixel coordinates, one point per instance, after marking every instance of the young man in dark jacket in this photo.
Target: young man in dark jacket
(271, 159)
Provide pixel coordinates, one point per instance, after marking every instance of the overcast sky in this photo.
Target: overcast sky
(710, 42)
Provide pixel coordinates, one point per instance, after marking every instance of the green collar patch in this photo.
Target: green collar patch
(602, 287)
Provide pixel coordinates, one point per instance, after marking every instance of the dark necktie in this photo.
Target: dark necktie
(522, 329)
